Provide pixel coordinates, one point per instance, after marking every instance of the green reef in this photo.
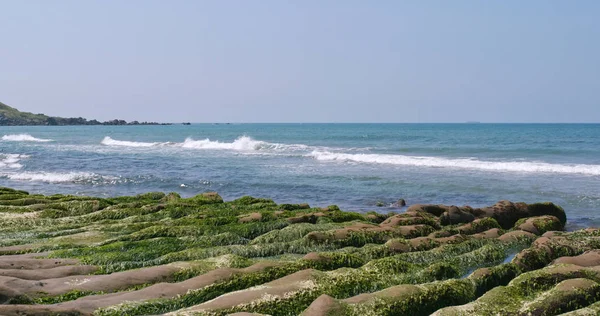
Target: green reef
(161, 254)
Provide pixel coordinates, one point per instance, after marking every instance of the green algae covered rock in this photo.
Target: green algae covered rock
(159, 253)
(248, 200)
(547, 208)
(540, 224)
(155, 196)
(549, 291)
(454, 215)
(204, 198)
(171, 197)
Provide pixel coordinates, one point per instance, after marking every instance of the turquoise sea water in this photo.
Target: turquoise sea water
(351, 165)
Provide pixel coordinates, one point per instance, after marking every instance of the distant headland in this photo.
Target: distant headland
(10, 116)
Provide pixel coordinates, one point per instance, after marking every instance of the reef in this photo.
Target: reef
(158, 253)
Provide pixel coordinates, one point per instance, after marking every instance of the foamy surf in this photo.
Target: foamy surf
(53, 177)
(11, 161)
(107, 141)
(23, 138)
(242, 143)
(459, 163)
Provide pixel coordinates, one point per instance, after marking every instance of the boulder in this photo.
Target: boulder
(454, 215)
(400, 203)
(434, 209)
(540, 224)
(508, 213)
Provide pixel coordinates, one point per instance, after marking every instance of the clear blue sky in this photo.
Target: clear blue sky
(304, 60)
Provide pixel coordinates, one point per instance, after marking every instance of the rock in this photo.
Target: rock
(156, 196)
(547, 208)
(423, 243)
(408, 219)
(171, 197)
(324, 305)
(540, 224)
(516, 235)
(314, 256)
(249, 200)
(205, 198)
(589, 258)
(478, 226)
(252, 217)
(508, 213)
(293, 207)
(306, 218)
(434, 209)
(408, 299)
(490, 233)
(375, 217)
(549, 291)
(399, 203)
(174, 256)
(454, 215)
(545, 249)
(398, 245)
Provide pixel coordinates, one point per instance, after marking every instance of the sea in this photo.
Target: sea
(359, 167)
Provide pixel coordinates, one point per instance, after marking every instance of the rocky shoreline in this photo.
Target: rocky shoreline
(158, 253)
(10, 116)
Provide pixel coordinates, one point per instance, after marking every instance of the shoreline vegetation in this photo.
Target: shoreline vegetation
(10, 116)
(158, 253)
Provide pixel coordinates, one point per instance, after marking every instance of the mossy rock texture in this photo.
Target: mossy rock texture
(157, 253)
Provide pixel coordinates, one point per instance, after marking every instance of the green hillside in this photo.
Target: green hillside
(10, 116)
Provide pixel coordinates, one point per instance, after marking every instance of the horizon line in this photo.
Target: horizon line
(463, 123)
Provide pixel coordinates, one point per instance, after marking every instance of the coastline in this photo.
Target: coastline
(161, 253)
(354, 166)
(10, 116)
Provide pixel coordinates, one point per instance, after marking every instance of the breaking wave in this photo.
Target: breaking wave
(459, 163)
(243, 143)
(23, 138)
(113, 142)
(11, 161)
(53, 177)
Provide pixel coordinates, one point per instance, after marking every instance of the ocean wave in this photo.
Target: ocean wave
(23, 138)
(11, 161)
(113, 142)
(242, 143)
(459, 163)
(53, 177)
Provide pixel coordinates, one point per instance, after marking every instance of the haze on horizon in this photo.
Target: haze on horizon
(303, 61)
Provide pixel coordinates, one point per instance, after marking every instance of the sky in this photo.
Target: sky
(303, 60)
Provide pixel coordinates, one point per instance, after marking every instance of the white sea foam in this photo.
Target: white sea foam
(11, 161)
(23, 138)
(459, 163)
(52, 177)
(243, 143)
(113, 142)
